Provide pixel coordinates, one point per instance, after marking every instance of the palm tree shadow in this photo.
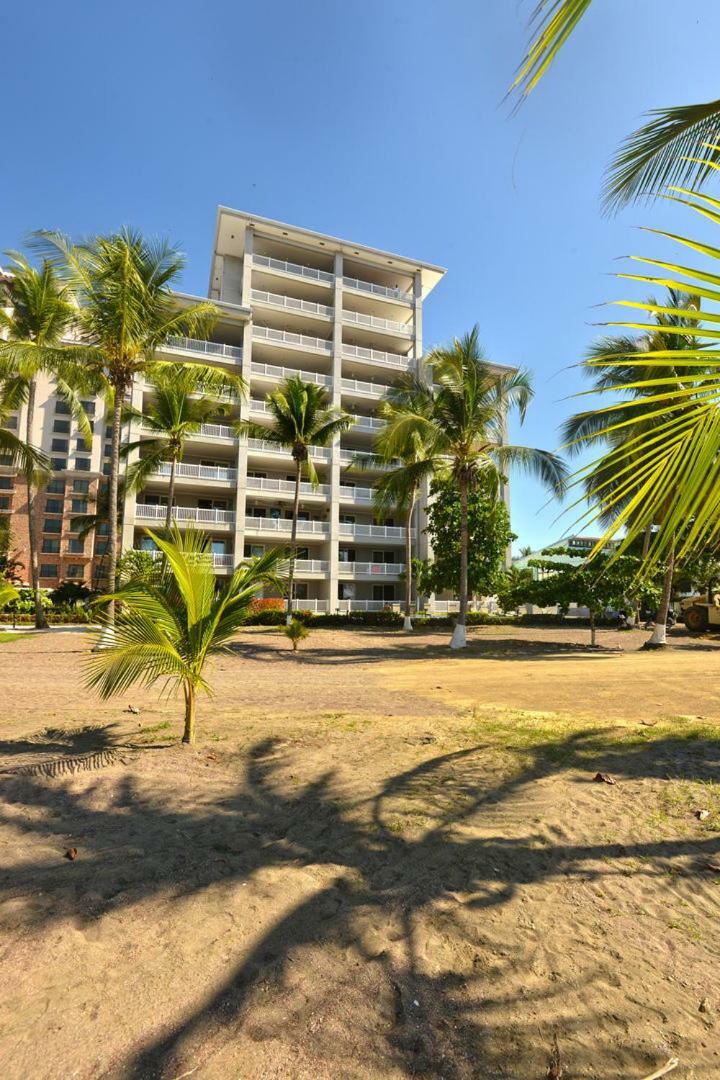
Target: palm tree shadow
(377, 874)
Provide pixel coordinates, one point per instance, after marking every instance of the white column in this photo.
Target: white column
(241, 495)
(128, 527)
(335, 464)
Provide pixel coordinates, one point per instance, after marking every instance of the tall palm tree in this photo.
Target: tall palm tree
(40, 315)
(168, 627)
(679, 144)
(127, 311)
(459, 414)
(184, 398)
(300, 419)
(611, 365)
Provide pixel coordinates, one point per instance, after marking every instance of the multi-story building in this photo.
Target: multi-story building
(344, 316)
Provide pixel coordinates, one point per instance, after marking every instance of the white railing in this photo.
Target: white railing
(293, 268)
(345, 606)
(285, 487)
(377, 356)
(348, 457)
(272, 371)
(287, 337)
(374, 569)
(206, 431)
(356, 494)
(449, 607)
(317, 453)
(367, 423)
(311, 566)
(374, 532)
(377, 290)
(359, 318)
(367, 389)
(185, 513)
(207, 348)
(310, 605)
(306, 307)
(282, 525)
(223, 561)
(198, 472)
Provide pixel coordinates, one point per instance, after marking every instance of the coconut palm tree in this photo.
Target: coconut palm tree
(300, 419)
(184, 397)
(459, 415)
(39, 316)
(610, 364)
(126, 312)
(8, 593)
(167, 628)
(14, 451)
(677, 145)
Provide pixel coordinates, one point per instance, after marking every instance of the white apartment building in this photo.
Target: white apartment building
(342, 315)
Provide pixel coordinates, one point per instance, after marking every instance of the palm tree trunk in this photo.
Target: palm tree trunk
(293, 538)
(113, 499)
(593, 629)
(646, 540)
(40, 620)
(658, 637)
(408, 566)
(459, 638)
(189, 732)
(171, 494)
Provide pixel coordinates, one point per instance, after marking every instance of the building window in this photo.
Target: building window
(58, 463)
(108, 449)
(101, 547)
(82, 464)
(108, 431)
(6, 483)
(52, 525)
(106, 468)
(11, 422)
(103, 528)
(384, 592)
(89, 407)
(62, 427)
(56, 486)
(346, 555)
(79, 506)
(51, 547)
(4, 502)
(76, 547)
(62, 408)
(301, 590)
(60, 446)
(48, 569)
(83, 446)
(81, 487)
(74, 570)
(53, 506)
(254, 551)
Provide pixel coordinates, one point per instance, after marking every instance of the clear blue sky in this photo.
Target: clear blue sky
(380, 121)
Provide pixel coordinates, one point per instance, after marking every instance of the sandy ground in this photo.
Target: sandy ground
(379, 861)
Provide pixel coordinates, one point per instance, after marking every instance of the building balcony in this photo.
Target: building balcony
(369, 424)
(359, 531)
(361, 496)
(196, 347)
(291, 303)
(360, 388)
(291, 340)
(273, 373)
(309, 567)
(257, 485)
(280, 266)
(348, 458)
(376, 356)
(370, 569)
(310, 605)
(187, 471)
(220, 562)
(184, 515)
(372, 322)
(384, 292)
(283, 527)
(264, 446)
(345, 606)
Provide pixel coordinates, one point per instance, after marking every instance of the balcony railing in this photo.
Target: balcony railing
(374, 569)
(373, 532)
(291, 303)
(344, 606)
(359, 318)
(377, 290)
(272, 371)
(317, 453)
(214, 431)
(310, 605)
(282, 525)
(223, 561)
(311, 566)
(366, 423)
(285, 487)
(367, 389)
(207, 348)
(198, 472)
(185, 513)
(356, 494)
(377, 356)
(287, 337)
(348, 457)
(308, 272)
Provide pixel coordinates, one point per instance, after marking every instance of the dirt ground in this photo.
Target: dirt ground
(380, 860)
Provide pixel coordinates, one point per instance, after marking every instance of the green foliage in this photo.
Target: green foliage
(26, 602)
(134, 565)
(8, 593)
(489, 537)
(70, 593)
(296, 632)
(166, 630)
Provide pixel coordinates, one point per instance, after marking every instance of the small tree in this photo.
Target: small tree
(489, 537)
(607, 581)
(167, 629)
(296, 631)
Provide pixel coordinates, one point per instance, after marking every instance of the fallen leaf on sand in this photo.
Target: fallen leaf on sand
(603, 778)
(71, 854)
(702, 814)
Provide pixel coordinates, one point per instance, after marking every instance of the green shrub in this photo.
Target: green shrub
(296, 632)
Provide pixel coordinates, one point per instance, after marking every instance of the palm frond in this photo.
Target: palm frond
(554, 22)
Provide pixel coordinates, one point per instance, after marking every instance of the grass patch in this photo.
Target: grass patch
(11, 635)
